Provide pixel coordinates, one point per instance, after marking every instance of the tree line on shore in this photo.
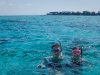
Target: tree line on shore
(74, 13)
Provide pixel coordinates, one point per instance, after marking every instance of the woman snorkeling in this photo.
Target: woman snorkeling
(76, 59)
(76, 56)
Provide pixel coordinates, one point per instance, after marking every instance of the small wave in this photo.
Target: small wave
(4, 40)
(13, 21)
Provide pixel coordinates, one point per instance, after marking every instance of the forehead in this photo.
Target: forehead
(56, 48)
(76, 48)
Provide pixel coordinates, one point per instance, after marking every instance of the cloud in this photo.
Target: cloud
(11, 4)
(3, 3)
(28, 4)
(19, 6)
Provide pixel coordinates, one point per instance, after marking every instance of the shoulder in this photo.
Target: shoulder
(64, 57)
(47, 58)
(84, 61)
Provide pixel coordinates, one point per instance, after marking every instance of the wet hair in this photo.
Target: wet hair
(56, 45)
(76, 47)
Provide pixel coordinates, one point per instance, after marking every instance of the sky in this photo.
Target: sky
(42, 7)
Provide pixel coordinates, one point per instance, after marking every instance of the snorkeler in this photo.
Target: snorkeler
(76, 62)
(55, 60)
(76, 59)
(76, 56)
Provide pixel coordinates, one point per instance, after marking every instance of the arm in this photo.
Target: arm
(43, 63)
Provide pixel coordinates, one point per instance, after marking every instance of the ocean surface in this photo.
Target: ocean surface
(25, 40)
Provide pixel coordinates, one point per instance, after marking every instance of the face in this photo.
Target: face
(76, 52)
(56, 51)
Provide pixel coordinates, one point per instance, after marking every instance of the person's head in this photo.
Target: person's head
(76, 52)
(56, 50)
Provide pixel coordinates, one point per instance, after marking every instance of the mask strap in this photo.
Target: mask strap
(82, 48)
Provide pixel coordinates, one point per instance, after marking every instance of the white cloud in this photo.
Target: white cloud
(28, 4)
(19, 6)
(11, 4)
(3, 3)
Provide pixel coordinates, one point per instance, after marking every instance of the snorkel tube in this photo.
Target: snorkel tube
(60, 46)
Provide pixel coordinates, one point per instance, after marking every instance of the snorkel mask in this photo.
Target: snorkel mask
(76, 51)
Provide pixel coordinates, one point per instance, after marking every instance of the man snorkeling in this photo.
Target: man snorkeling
(55, 60)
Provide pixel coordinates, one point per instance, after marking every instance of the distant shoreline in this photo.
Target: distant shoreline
(84, 13)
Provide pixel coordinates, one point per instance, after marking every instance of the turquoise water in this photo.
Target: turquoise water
(25, 40)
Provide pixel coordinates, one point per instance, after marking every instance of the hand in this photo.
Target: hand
(39, 66)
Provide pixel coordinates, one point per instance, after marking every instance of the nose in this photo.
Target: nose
(76, 51)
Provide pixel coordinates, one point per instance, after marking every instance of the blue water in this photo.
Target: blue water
(25, 40)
